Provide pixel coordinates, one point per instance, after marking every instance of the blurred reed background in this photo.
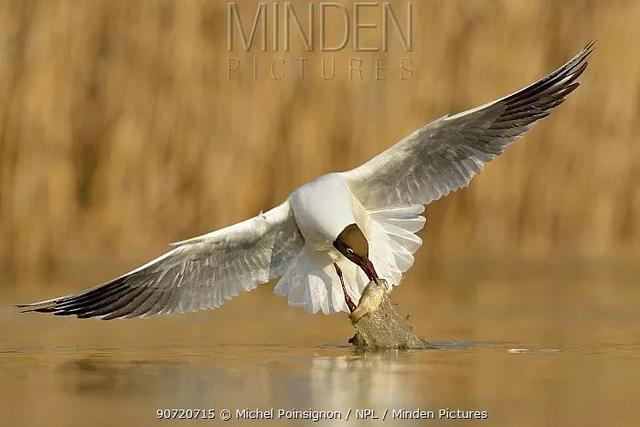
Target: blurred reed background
(120, 131)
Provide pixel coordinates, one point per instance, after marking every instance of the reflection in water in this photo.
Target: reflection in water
(576, 362)
(117, 386)
(377, 378)
(103, 376)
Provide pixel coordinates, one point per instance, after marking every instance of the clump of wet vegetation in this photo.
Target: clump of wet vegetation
(378, 324)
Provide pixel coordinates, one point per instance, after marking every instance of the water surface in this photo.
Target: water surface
(547, 349)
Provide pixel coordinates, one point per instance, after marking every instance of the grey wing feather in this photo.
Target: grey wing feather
(446, 154)
(200, 273)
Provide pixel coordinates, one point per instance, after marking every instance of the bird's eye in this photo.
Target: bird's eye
(350, 251)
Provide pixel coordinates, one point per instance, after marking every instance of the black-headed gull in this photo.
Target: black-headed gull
(336, 233)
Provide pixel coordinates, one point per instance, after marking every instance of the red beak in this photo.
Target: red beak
(369, 270)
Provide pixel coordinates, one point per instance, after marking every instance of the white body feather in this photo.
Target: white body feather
(322, 209)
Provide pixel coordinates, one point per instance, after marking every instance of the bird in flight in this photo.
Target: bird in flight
(334, 235)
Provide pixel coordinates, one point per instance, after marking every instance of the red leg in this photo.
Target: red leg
(347, 298)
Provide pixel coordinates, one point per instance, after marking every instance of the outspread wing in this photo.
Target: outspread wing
(446, 154)
(200, 273)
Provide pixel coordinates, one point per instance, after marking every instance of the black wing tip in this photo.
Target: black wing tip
(40, 307)
(29, 310)
(576, 65)
(23, 306)
(48, 307)
(563, 78)
(81, 303)
(585, 52)
(537, 100)
(55, 310)
(113, 300)
(591, 45)
(580, 60)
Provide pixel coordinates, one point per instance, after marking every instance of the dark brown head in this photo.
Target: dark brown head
(354, 246)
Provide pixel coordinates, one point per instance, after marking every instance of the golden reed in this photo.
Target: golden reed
(120, 129)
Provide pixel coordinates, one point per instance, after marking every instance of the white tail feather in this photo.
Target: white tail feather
(392, 241)
(311, 282)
